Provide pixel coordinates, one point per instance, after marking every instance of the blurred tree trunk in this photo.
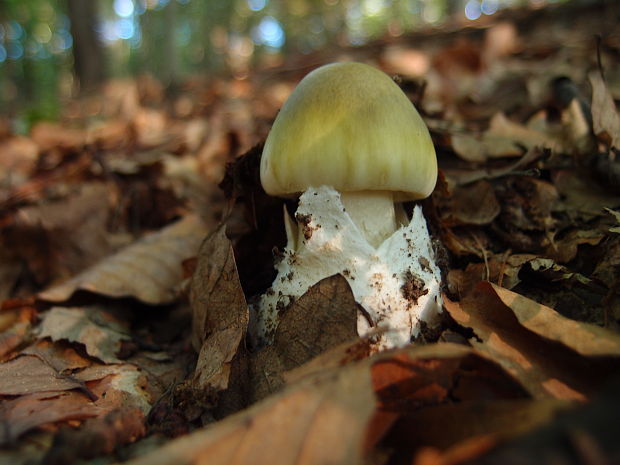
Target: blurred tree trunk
(87, 49)
(169, 73)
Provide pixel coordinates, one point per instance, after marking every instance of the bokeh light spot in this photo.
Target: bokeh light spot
(123, 8)
(269, 32)
(256, 5)
(473, 10)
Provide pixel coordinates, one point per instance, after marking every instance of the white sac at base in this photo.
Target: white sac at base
(398, 283)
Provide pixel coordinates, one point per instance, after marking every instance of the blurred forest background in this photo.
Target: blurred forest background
(54, 49)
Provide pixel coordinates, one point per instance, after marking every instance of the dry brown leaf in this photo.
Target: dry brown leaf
(443, 426)
(220, 312)
(15, 328)
(565, 249)
(18, 156)
(149, 270)
(550, 355)
(52, 136)
(459, 177)
(586, 339)
(472, 204)
(324, 317)
(97, 436)
(321, 319)
(30, 374)
(582, 197)
(504, 138)
(10, 267)
(100, 333)
(113, 387)
(60, 238)
(61, 357)
(605, 117)
(317, 422)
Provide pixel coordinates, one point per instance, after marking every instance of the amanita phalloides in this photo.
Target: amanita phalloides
(352, 144)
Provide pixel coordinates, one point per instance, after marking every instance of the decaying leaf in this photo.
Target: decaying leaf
(552, 356)
(149, 270)
(100, 333)
(220, 312)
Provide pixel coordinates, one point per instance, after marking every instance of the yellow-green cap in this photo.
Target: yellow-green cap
(349, 126)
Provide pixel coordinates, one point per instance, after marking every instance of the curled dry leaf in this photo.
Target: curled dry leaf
(315, 422)
(220, 312)
(552, 356)
(149, 270)
(100, 333)
(339, 415)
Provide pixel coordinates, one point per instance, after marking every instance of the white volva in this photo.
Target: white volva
(397, 281)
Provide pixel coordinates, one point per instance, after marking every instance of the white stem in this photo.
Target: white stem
(373, 213)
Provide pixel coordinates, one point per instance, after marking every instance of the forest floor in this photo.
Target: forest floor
(134, 232)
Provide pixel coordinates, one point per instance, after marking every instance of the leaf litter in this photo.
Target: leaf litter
(120, 331)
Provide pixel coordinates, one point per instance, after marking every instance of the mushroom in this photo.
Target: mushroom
(354, 146)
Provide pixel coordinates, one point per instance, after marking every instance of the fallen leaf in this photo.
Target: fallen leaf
(97, 436)
(113, 387)
(582, 197)
(97, 330)
(62, 357)
(220, 312)
(443, 426)
(589, 432)
(15, 328)
(472, 204)
(30, 374)
(324, 317)
(149, 270)
(504, 138)
(320, 421)
(60, 238)
(615, 229)
(604, 113)
(552, 356)
(53, 136)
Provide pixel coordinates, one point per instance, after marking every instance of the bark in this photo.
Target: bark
(88, 59)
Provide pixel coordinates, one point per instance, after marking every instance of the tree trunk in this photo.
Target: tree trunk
(87, 49)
